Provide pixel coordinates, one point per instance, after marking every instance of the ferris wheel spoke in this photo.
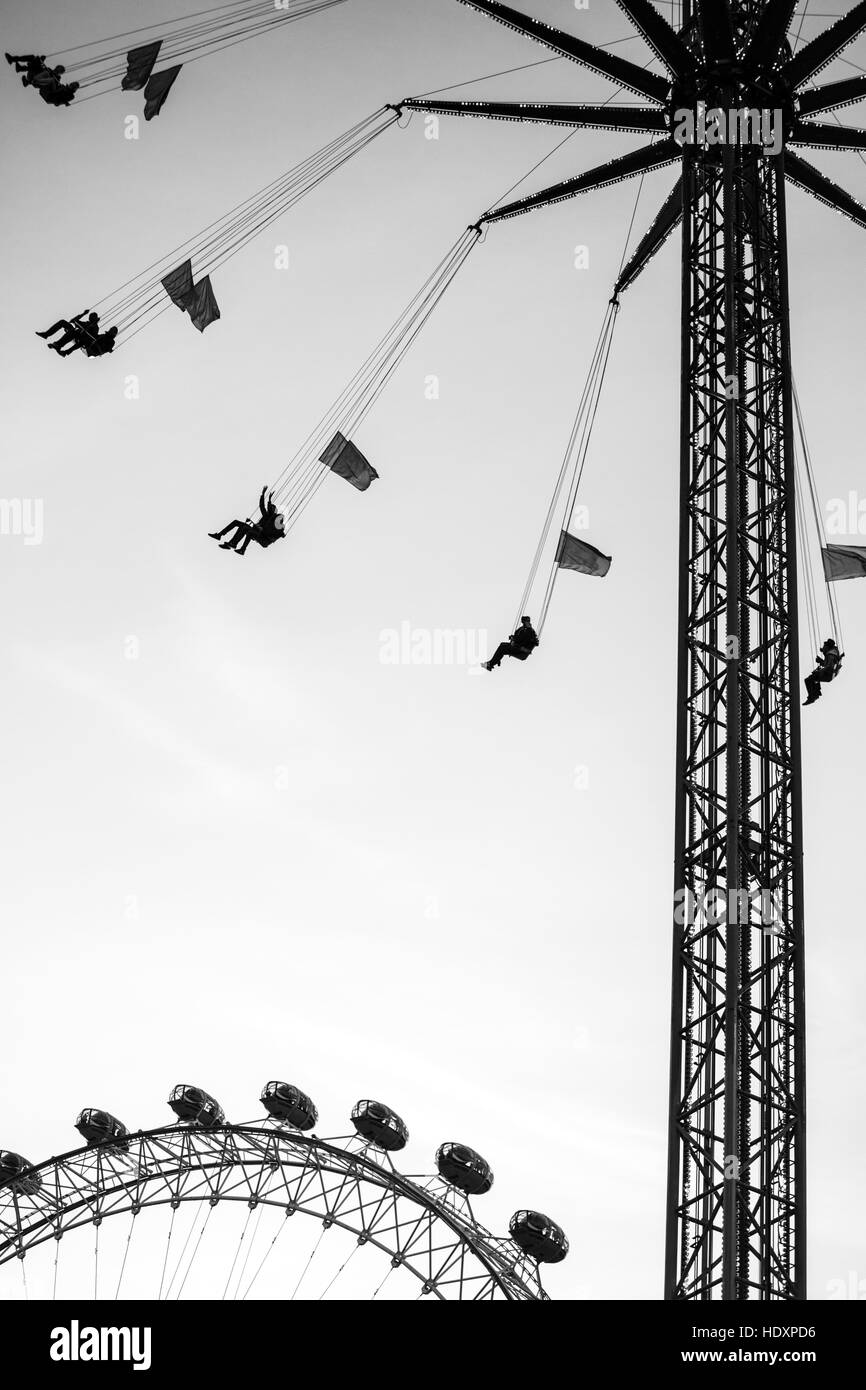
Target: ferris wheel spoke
(333, 1281)
(237, 1251)
(210, 1212)
(196, 1217)
(379, 1288)
(249, 1248)
(125, 1256)
(167, 1247)
(307, 1265)
(289, 1212)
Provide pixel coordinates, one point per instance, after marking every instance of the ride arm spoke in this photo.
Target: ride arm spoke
(626, 167)
(815, 56)
(666, 220)
(661, 37)
(832, 96)
(624, 118)
(828, 137)
(619, 70)
(806, 176)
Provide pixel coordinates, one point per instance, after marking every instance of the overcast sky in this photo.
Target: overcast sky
(240, 846)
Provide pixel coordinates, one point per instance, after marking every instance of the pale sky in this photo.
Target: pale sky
(239, 846)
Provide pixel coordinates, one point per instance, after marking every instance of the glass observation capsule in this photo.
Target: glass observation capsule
(17, 1171)
(196, 1107)
(99, 1127)
(538, 1236)
(289, 1105)
(380, 1125)
(464, 1168)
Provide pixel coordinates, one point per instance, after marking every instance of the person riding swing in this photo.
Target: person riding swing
(270, 528)
(520, 645)
(829, 662)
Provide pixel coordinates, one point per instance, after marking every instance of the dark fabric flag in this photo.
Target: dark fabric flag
(343, 458)
(139, 65)
(157, 89)
(179, 287)
(203, 309)
(844, 561)
(572, 554)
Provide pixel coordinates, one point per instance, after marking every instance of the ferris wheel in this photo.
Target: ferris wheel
(423, 1228)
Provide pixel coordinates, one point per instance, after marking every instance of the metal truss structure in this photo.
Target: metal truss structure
(736, 1170)
(423, 1224)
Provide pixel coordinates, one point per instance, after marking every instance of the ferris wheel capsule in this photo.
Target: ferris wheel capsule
(99, 1127)
(289, 1105)
(464, 1168)
(194, 1106)
(14, 1170)
(538, 1236)
(380, 1125)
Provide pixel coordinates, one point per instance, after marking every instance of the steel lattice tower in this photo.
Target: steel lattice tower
(737, 1120)
(736, 1195)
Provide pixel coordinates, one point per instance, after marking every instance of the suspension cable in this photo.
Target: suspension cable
(237, 1252)
(577, 449)
(249, 1248)
(581, 455)
(299, 481)
(832, 602)
(211, 31)
(307, 1265)
(167, 1244)
(333, 1281)
(197, 1211)
(210, 1212)
(125, 1254)
(142, 298)
(280, 1228)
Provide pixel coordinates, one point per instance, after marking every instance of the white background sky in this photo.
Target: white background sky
(256, 851)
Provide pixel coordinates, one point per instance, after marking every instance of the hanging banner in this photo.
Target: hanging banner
(343, 458)
(139, 65)
(203, 308)
(178, 285)
(572, 554)
(844, 561)
(157, 89)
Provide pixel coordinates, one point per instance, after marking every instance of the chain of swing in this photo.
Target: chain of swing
(821, 615)
(574, 458)
(297, 484)
(141, 299)
(102, 62)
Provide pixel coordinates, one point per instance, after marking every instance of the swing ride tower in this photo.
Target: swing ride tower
(736, 1158)
(736, 1190)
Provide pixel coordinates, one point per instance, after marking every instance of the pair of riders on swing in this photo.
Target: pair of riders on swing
(80, 334)
(46, 80)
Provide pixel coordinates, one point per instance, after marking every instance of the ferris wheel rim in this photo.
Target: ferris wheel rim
(508, 1271)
